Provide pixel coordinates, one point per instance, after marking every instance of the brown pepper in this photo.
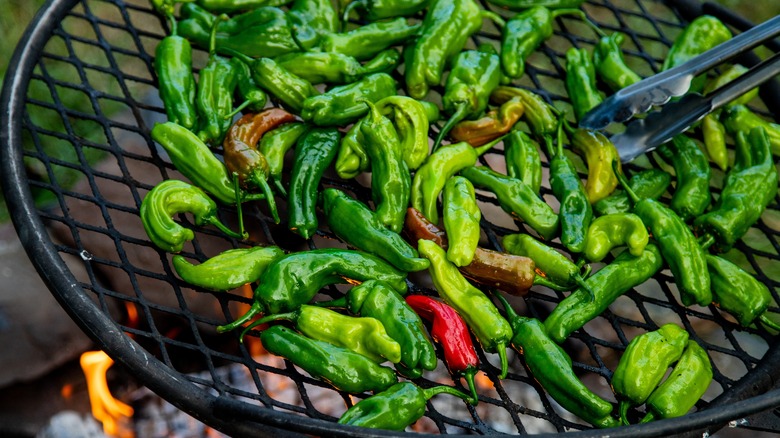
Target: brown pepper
(495, 124)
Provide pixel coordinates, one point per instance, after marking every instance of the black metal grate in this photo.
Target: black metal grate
(89, 98)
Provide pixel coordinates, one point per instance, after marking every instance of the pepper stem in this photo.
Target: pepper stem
(504, 361)
(240, 209)
(706, 241)
(222, 227)
(469, 376)
(487, 146)
(239, 108)
(624, 182)
(546, 282)
(436, 390)
(768, 322)
(581, 14)
(279, 186)
(647, 418)
(623, 409)
(495, 18)
(213, 34)
(460, 114)
(347, 10)
(339, 303)
(253, 310)
(174, 25)
(236, 54)
(510, 312)
(259, 180)
(584, 285)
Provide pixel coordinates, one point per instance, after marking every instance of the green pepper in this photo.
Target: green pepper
(525, 4)
(253, 97)
(613, 230)
(411, 121)
(344, 369)
(375, 10)
(688, 381)
(714, 136)
(310, 20)
(175, 81)
(650, 183)
(461, 220)
(335, 68)
(550, 263)
(522, 159)
(599, 154)
(552, 368)
(344, 104)
(606, 285)
(275, 144)
(474, 76)
(702, 34)
(238, 5)
(609, 63)
(367, 41)
(495, 123)
(229, 269)
(445, 30)
(354, 223)
(541, 117)
(739, 118)
(377, 299)
(750, 186)
(481, 315)
(295, 279)
(644, 364)
(515, 198)
(581, 81)
(678, 245)
(738, 292)
(394, 408)
(314, 152)
(729, 74)
(692, 170)
(352, 158)
(171, 197)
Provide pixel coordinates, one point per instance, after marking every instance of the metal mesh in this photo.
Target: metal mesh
(91, 101)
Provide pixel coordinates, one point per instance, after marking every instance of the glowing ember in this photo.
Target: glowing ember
(114, 414)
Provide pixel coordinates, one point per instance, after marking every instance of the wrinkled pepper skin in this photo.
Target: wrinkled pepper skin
(394, 408)
(540, 116)
(175, 81)
(650, 183)
(169, 198)
(581, 81)
(552, 264)
(688, 381)
(551, 366)
(575, 212)
(352, 159)
(445, 30)
(613, 230)
(275, 144)
(353, 222)
(295, 279)
(739, 118)
(692, 192)
(610, 66)
(494, 124)
(335, 68)
(367, 41)
(750, 186)
(644, 364)
(609, 283)
(313, 154)
(310, 20)
(737, 292)
(375, 10)
(411, 121)
(700, 35)
(516, 198)
(599, 154)
(345, 370)
(290, 89)
(523, 161)
(343, 105)
(481, 315)
(461, 220)
(229, 269)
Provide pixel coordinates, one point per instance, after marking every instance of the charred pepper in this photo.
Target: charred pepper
(525, 4)
(229, 269)
(494, 124)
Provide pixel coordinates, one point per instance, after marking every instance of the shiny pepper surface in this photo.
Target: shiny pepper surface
(525, 4)
(522, 158)
(461, 220)
(540, 116)
(599, 154)
(173, 65)
(739, 118)
(335, 68)
(353, 222)
(610, 65)
(488, 128)
(171, 197)
(275, 144)
(394, 408)
(650, 183)
(352, 158)
(575, 212)
(445, 30)
(714, 135)
(253, 97)
(700, 35)
(310, 20)
(411, 121)
(238, 5)
(295, 279)
(552, 368)
(692, 192)
(375, 10)
(367, 41)
(644, 364)
(217, 82)
(550, 263)
(613, 230)
(609, 283)
(229, 269)
(344, 369)
(491, 329)
(738, 292)
(581, 81)
(345, 104)
(750, 186)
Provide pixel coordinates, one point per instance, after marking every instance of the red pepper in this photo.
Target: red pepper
(451, 332)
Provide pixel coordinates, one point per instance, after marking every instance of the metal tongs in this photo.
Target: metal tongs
(658, 127)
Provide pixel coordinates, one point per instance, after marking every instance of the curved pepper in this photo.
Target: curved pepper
(295, 279)
(354, 223)
(394, 408)
(540, 116)
(335, 68)
(253, 97)
(275, 144)
(229, 269)
(450, 331)
(522, 159)
(581, 81)
(411, 121)
(365, 335)
(344, 369)
(750, 186)
(313, 154)
(171, 197)
(217, 82)
(599, 154)
(606, 285)
(644, 364)
(352, 158)
(688, 381)
(552, 368)
(491, 329)
(551, 265)
(610, 65)
(175, 81)
(461, 220)
(714, 135)
(344, 104)
(650, 183)
(495, 124)
(692, 170)
(375, 10)
(312, 19)
(702, 34)
(739, 118)
(367, 41)
(613, 230)
(738, 292)
(729, 74)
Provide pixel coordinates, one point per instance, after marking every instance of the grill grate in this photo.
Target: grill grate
(88, 99)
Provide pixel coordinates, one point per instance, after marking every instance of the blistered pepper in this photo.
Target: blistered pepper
(613, 230)
(541, 117)
(692, 171)
(335, 68)
(275, 144)
(176, 83)
(353, 222)
(310, 20)
(581, 81)
(644, 363)
(606, 285)
(228, 269)
(599, 154)
(171, 197)
(344, 104)
(375, 10)
(522, 159)
(461, 220)
(550, 264)
(367, 41)
(649, 183)
(295, 279)
(610, 65)
(493, 125)
(739, 118)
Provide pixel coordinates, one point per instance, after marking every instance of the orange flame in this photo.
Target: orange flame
(105, 408)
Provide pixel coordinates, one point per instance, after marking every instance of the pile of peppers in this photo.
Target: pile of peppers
(256, 108)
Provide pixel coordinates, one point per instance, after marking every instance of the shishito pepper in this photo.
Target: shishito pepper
(702, 34)
(461, 220)
(613, 230)
(610, 65)
(275, 144)
(352, 158)
(365, 335)
(493, 125)
(552, 368)
(375, 10)
(599, 154)
(644, 364)
(551, 264)
(411, 120)
(491, 329)
(314, 152)
(581, 81)
(171, 197)
(692, 171)
(293, 280)
(541, 117)
(367, 41)
(344, 104)
(750, 186)
(312, 19)
(522, 158)
(606, 285)
(342, 368)
(525, 4)
(335, 68)
(238, 5)
(394, 408)
(252, 96)
(739, 118)
(650, 183)
(176, 83)
(217, 82)
(353, 222)
(229, 269)
(688, 381)
(714, 135)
